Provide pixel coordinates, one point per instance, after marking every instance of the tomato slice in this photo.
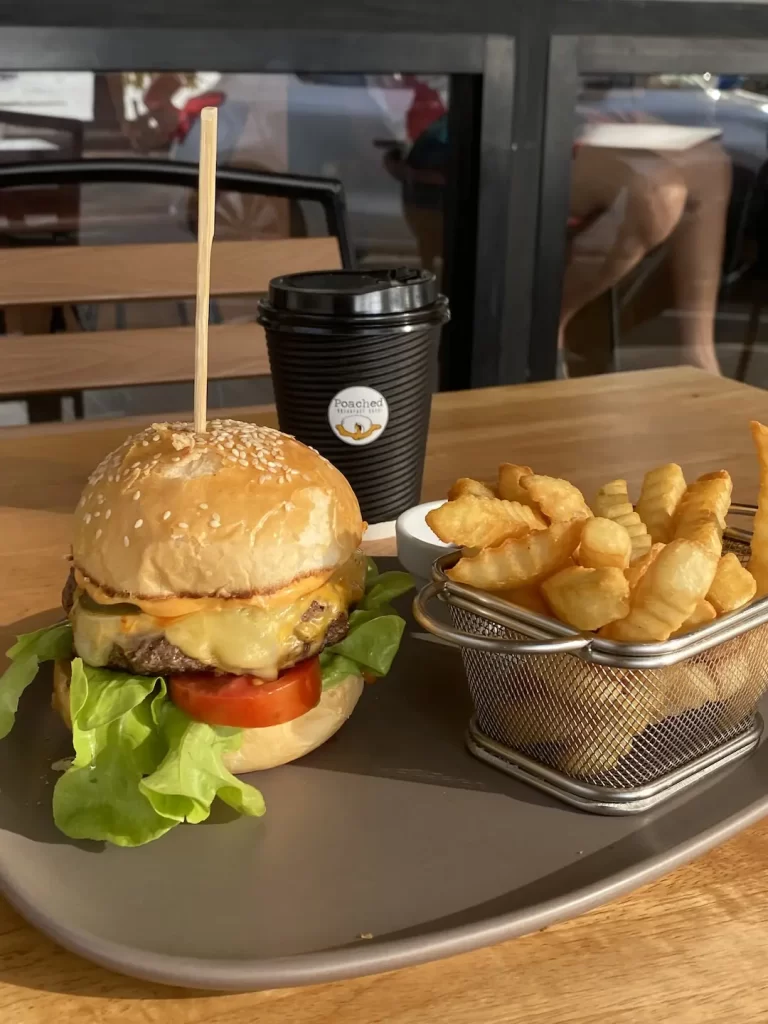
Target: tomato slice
(247, 702)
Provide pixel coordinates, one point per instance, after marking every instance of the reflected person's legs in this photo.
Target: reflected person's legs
(631, 201)
(696, 252)
(426, 224)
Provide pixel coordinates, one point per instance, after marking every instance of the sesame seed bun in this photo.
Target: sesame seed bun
(175, 521)
(261, 748)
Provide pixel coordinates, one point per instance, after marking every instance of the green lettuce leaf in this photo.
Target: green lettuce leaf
(192, 774)
(375, 630)
(141, 765)
(49, 644)
(385, 588)
(99, 796)
(335, 668)
(110, 695)
(371, 572)
(373, 644)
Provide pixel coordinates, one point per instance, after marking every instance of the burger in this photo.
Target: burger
(221, 619)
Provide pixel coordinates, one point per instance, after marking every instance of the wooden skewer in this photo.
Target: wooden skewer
(206, 210)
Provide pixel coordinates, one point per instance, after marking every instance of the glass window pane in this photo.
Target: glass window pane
(666, 242)
(383, 136)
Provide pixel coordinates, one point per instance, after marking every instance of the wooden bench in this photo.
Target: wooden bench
(31, 278)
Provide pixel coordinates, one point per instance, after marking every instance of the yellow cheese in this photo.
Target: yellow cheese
(239, 639)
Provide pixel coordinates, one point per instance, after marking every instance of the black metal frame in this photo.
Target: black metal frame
(328, 192)
(570, 57)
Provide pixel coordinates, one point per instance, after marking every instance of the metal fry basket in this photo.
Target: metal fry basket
(609, 727)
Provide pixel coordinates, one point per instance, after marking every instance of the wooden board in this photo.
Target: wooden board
(688, 949)
(101, 359)
(106, 273)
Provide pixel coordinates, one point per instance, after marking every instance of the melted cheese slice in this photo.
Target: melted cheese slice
(240, 639)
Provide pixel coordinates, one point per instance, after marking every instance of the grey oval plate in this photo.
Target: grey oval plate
(389, 846)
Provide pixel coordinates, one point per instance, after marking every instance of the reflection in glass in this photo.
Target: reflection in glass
(666, 225)
(384, 136)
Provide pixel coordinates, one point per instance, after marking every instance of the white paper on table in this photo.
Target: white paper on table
(379, 531)
(67, 94)
(633, 135)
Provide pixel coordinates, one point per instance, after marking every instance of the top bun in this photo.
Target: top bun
(241, 512)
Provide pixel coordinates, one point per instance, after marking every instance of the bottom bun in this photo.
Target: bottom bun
(261, 748)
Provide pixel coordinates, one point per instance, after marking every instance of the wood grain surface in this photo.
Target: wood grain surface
(101, 359)
(687, 949)
(113, 273)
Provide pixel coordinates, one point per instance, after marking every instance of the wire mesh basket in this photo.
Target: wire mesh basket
(606, 726)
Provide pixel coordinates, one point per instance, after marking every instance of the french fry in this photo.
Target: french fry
(690, 685)
(758, 562)
(708, 534)
(641, 703)
(527, 724)
(556, 499)
(733, 585)
(466, 485)
(529, 597)
(660, 495)
(612, 502)
(703, 613)
(519, 561)
(604, 544)
(473, 522)
(587, 598)
(508, 485)
(667, 594)
(596, 750)
(636, 571)
(705, 504)
(733, 680)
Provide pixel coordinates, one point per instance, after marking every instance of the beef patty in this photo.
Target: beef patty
(68, 593)
(156, 656)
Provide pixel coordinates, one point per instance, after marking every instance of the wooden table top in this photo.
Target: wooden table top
(688, 948)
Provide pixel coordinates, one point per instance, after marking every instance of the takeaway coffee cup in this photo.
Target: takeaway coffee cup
(353, 356)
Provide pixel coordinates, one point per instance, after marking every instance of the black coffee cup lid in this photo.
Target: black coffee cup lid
(354, 292)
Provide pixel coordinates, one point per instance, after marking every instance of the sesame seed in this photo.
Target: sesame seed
(108, 513)
(166, 515)
(155, 437)
(176, 458)
(145, 444)
(96, 515)
(87, 518)
(126, 541)
(214, 523)
(203, 505)
(138, 523)
(98, 534)
(136, 495)
(183, 526)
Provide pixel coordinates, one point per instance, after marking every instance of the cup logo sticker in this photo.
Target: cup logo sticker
(358, 415)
